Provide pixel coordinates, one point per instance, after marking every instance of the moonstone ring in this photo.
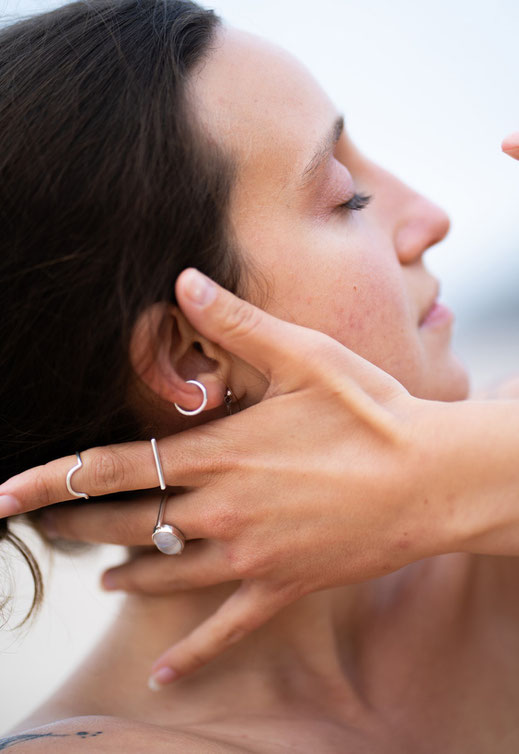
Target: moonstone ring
(168, 539)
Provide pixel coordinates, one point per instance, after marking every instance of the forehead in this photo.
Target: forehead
(257, 100)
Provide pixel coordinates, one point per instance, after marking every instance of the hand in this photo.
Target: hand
(510, 145)
(314, 487)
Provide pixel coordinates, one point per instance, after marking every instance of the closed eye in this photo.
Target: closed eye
(357, 202)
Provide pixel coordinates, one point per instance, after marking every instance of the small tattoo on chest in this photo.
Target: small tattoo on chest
(7, 743)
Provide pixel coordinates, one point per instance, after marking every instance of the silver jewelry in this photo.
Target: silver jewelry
(75, 468)
(201, 406)
(168, 539)
(162, 483)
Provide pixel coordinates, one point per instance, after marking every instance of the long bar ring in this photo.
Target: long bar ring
(167, 538)
(75, 468)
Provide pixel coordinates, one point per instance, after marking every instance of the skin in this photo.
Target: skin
(361, 280)
(358, 277)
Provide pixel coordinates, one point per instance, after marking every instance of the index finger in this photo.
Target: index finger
(273, 346)
(113, 468)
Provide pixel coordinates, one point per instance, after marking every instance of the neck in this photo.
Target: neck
(300, 661)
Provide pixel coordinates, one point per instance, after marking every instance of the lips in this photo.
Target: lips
(438, 315)
(433, 302)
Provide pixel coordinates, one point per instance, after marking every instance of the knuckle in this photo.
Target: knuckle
(243, 563)
(180, 585)
(42, 485)
(171, 582)
(225, 521)
(233, 634)
(124, 531)
(195, 660)
(153, 581)
(241, 319)
(106, 470)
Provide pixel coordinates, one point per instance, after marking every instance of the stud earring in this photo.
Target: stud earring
(228, 399)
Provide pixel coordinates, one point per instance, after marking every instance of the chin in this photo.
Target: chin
(448, 381)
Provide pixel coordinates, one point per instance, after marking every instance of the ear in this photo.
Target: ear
(165, 352)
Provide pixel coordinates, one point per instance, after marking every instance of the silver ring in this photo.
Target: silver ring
(201, 406)
(166, 538)
(75, 468)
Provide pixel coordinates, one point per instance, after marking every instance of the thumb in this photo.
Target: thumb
(510, 145)
(269, 344)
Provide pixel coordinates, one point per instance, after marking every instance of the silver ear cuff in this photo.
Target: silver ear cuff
(201, 406)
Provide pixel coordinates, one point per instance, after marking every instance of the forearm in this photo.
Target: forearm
(466, 463)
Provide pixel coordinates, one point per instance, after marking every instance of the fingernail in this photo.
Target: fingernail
(9, 506)
(109, 580)
(48, 524)
(161, 678)
(199, 288)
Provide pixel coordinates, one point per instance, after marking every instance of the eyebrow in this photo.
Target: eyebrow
(324, 150)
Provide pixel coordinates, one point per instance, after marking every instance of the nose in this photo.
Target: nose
(420, 225)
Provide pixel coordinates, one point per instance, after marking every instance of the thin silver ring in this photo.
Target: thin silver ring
(160, 473)
(201, 406)
(75, 468)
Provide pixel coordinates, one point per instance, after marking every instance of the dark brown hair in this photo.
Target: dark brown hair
(108, 189)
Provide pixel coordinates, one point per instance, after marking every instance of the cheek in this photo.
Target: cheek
(343, 282)
(355, 295)
(371, 315)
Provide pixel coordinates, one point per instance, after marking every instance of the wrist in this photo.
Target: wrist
(438, 478)
(465, 465)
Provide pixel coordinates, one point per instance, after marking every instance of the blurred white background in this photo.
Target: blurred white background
(429, 90)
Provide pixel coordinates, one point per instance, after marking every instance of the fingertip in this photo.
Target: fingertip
(160, 678)
(109, 581)
(196, 288)
(9, 506)
(510, 144)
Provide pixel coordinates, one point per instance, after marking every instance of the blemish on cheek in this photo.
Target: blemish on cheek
(354, 287)
(353, 322)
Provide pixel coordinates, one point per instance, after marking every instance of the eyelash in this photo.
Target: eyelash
(357, 202)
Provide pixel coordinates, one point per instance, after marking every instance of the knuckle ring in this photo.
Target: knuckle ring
(166, 537)
(70, 474)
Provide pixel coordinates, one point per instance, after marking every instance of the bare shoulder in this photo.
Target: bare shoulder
(105, 735)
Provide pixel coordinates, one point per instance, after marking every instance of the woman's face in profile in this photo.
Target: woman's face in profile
(357, 275)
